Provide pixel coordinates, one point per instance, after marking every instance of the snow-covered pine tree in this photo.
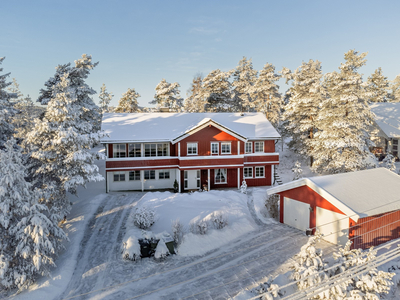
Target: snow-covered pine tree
(265, 94)
(301, 111)
(297, 171)
(389, 162)
(377, 87)
(61, 142)
(7, 110)
(395, 90)
(14, 89)
(29, 239)
(342, 141)
(128, 103)
(244, 78)
(24, 120)
(168, 95)
(105, 99)
(217, 91)
(195, 102)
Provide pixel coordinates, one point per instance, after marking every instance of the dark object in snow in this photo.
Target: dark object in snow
(309, 232)
(176, 186)
(148, 246)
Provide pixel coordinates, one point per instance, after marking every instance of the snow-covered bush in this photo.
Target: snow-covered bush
(177, 231)
(144, 217)
(199, 227)
(389, 162)
(297, 171)
(272, 205)
(243, 187)
(131, 249)
(219, 220)
(161, 251)
(268, 290)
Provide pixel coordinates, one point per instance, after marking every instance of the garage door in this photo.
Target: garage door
(333, 226)
(296, 213)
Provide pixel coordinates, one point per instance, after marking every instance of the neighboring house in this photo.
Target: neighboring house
(387, 128)
(362, 206)
(148, 151)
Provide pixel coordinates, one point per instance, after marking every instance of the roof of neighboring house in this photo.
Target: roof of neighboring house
(388, 117)
(147, 127)
(357, 194)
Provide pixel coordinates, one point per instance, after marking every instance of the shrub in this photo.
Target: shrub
(161, 250)
(199, 227)
(177, 231)
(219, 220)
(272, 205)
(144, 217)
(131, 249)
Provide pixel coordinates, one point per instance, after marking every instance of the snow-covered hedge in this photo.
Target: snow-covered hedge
(131, 249)
(161, 251)
(144, 217)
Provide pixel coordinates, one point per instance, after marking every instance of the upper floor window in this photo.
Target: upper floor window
(249, 147)
(134, 150)
(226, 148)
(258, 146)
(192, 148)
(156, 149)
(119, 150)
(395, 142)
(214, 148)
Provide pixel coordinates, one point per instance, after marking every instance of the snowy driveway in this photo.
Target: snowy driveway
(100, 272)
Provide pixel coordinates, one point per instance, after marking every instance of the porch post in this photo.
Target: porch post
(142, 178)
(208, 179)
(107, 184)
(238, 147)
(272, 175)
(238, 178)
(179, 177)
(179, 149)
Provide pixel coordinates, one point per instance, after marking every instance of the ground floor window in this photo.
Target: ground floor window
(220, 175)
(198, 178)
(119, 176)
(163, 174)
(259, 172)
(150, 174)
(185, 179)
(248, 172)
(134, 175)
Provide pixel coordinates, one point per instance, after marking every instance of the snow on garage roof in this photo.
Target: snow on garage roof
(357, 194)
(388, 117)
(146, 127)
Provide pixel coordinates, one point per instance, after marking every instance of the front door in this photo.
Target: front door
(192, 179)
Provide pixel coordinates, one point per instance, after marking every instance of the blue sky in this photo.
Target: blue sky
(140, 42)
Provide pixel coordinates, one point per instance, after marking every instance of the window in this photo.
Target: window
(259, 172)
(150, 174)
(394, 147)
(214, 148)
(134, 150)
(248, 172)
(134, 175)
(185, 180)
(156, 149)
(220, 175)
(198, 179)
(119, 150)
(258, 146)
(163, 174)
(119, 176)
(395, 142)
(225, 148)
(192, 148)
(249, 147)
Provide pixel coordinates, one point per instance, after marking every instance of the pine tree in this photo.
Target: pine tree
(7, 110)
(168, 95)
(395, 89)
(377, 87)
(244, 78)
(297, 171)
(265, 94)
(301, 111)
(342, 141)
(14, 89)
(217, 91)
(29, 239)
(389, 162)
(195, 102)
(105, 99)
(128, 103)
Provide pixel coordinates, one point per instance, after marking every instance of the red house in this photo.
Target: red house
(148, 151)
(362, 206)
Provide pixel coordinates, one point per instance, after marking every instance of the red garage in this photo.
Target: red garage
(362, 206)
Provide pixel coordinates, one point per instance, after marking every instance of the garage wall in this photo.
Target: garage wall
(334, 226)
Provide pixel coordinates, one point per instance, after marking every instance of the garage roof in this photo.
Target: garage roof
(357, 194)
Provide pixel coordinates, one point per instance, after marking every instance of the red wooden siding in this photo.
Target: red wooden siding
(261, 158)
(259, 181)
(141, 163)
(110, 150)
(269, 146)
(211, 162)
(375, 230)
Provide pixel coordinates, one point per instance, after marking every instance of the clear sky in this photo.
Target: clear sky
(140, 42)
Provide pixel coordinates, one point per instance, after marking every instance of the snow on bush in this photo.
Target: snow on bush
(389, 162)
(199, 227)
(161, 251)
(272, 205)
(297, 171)
(177, 231)
(131, 248)
(144, 217)
(268, 290)
(219, 220)
(243, 187)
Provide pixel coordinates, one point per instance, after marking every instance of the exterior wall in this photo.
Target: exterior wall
(139, 163)
(266, 180)
(375, 230)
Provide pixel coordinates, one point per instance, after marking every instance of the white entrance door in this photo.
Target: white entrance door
(192, 179)
(333, 226)
(296, 214)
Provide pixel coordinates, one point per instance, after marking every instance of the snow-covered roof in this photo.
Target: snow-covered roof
(388, 117)
(147, 127)
(357, 194)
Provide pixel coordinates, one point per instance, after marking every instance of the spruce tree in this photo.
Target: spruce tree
(377, 87)
(217, 91)
(244, 78)
(105, 99)
(168, 95)
(195, 102)
(128, 103)
(395, 89)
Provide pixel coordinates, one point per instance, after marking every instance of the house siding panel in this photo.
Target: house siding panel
(110, 150)
(272, 158)
(259, 181)
(141, 163)
(269, 146)
(211, 162)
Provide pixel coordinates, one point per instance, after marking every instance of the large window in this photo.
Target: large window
(156, 149)
(134, 175)
(248, 172)
(249, 147)
(220, 175)
(258, 146)
(214, 148)
(225, 148)
(150, 174)
(119, 176)
(119, 150)
(259, 172)
(163, 174)
(134, 150)
(192, 148)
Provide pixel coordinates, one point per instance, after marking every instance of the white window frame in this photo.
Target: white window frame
(230, 147)
(244, 172)
(117, 149)
(135, 150)
(155, 147)
(211, 147)
(225, 176)
(134, 176)
(192, 147)
(260, 146)
(251, 147)
(257, 169)
(149, 172)
(164, 173)
(185, 180)
(119, 174)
